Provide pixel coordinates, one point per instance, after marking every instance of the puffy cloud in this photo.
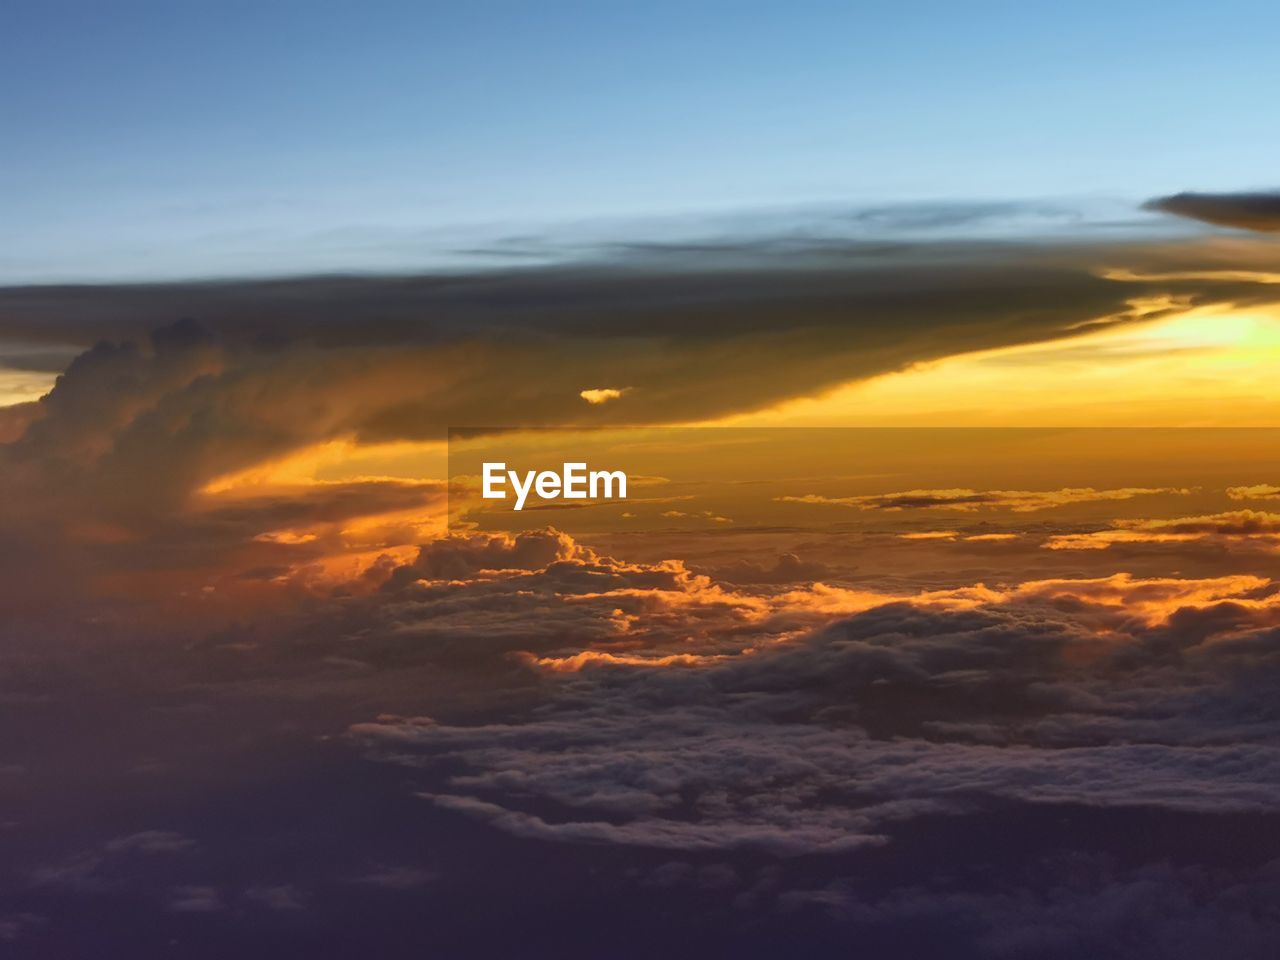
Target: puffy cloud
(1261, 491)
(787, 568)
(565, 607)
(602, 395)
(707, 777)
(460, 557)
(543, 593)
(1072, 905)
(1055, 691)
(1149, 599)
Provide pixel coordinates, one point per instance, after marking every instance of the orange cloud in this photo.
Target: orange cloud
(966, 500)
(1250, 525)
(576, 662)
(602, 395)
(1261, 491)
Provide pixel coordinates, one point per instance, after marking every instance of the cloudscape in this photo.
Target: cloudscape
(592, 482)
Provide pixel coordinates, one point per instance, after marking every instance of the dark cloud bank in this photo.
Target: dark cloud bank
(478, 753)
(1071, 768)
(1258, 211)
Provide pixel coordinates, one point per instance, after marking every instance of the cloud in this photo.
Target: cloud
(787, 568)
(17, 418)
(753, 702)
(1047, 692)
(460, 557)
(385, 358)
(564, 607)
(1247, 526)
(793, 836)
(964, 500)
(1258, 211)
(154, 408)
(1071, 905)
(586, 658)
(15, 926)
(602, 395)
(151, 841)
(1261, 491)
(388, 877)
(700, 515)
(109, 865)
(470, 597)
(195, 898)
(281, 897)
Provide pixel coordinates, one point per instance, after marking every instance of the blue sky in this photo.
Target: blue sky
(183, 138)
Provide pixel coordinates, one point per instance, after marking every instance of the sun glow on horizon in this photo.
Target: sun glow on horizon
(1203, 366)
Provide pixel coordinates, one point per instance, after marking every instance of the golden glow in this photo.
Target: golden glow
(24, 386)
(576, 662)
(1259, 491)
(602, 395)
(1154, 599)
(1205, 366)
(337, 461)
(406, 526)
(1162, 363)
(292, 537)
(1219, 276)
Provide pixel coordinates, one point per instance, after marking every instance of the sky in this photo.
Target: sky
(190, 139)
(938, 343)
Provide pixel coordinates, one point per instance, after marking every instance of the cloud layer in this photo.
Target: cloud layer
(1246, 211)
(1114, 691)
